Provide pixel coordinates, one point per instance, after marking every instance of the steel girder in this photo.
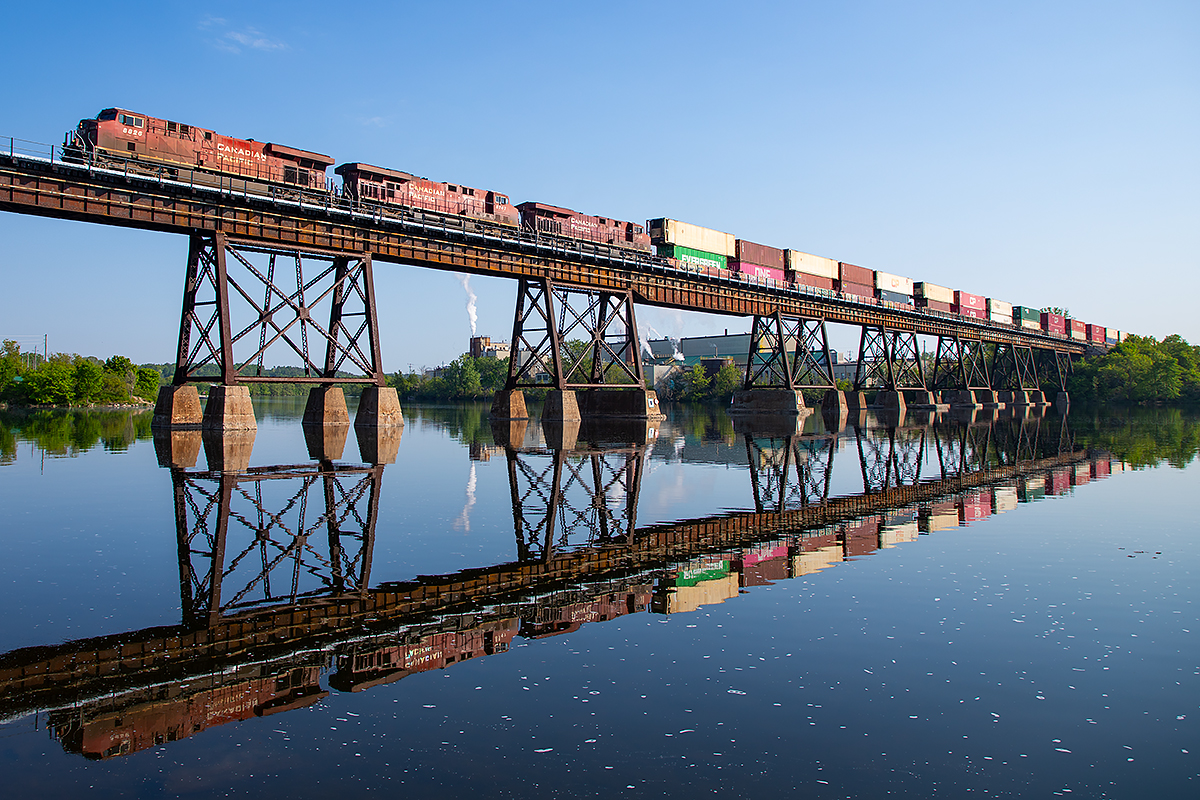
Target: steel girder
(283, 306)
(565, 499)
(891, 460)
(888, 359)
(773, 462)
(548, 315)
(1053, 368)
(788, 353)
(960, 364)
(275, 558)
(1014, 367)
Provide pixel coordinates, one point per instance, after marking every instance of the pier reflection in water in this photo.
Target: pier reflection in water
(275, 561)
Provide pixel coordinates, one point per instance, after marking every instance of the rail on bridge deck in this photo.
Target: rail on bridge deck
(566, 286)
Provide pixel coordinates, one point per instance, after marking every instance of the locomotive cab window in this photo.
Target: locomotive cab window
(108, 116)
(289, 174)
(133, 122)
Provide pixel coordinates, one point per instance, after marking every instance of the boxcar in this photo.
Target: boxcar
(365, 182)
(572, 224)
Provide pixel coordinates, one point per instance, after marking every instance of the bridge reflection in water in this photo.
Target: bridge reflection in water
(275, 562)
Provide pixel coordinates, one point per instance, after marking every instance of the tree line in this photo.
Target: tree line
(71, 379)
(1140, 370)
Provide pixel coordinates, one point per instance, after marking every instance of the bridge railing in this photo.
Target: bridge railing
(335, 201)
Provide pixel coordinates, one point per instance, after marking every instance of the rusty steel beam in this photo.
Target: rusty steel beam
(67, 191)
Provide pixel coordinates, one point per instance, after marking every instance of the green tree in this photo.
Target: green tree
(148, 381)
(53, 382)
(727, 381)
(462, 378)
(89, 380)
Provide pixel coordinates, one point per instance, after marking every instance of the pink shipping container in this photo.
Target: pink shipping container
(933, 305)
(1054, 323)
(849, 273)
(861, 539)
(1095, 333)
(759, 254)
(756, 270)
(754, 555)
(977, 313)
(968, 300)
(974, 507)
(1100, 469)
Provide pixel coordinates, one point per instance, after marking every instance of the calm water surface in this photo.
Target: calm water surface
(918, 607)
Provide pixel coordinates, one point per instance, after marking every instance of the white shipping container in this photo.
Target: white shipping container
(931, 291)
(1031, 325)
(685, 234)
(1004, 498)
(1000, 307)
(894, 283)
(892, 535)
(811, 561)
(811, 265)
(1000, 319)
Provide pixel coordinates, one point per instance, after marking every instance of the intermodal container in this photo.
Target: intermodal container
(759, 254)
(1000, 311)
(938, 517)
(1031, 488)
(1058, 481)
(672, 231)
(680, 599)
(796, 261)
(858, 290)
(755, 270)
(897, 284)
(1100, 469)
(931, 291)
(809, 561)
(894, 533)
(1004, 498)
(861, 538)
(690, 258)
(1027, 317)
(1077, 330)
(895, 297)
(933, 305)
(816, 281)
(974, 506)
(765, 573)
(967, 300)
(968, 311)
(1081, 473)
(1122, 336)
(1054, 323)
(1111, 336)
(861, 276)
(1095, 333)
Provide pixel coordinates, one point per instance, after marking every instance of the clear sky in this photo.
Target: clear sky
(1043, 153)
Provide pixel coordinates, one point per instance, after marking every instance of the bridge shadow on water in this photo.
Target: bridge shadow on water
(279, 606)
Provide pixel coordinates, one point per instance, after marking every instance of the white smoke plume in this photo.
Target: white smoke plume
(472, 314)
(463, 523)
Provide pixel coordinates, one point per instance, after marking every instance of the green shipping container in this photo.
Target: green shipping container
(1026, 313)
(692, 259)
(695, 575)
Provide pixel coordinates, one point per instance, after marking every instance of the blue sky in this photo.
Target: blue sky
(1041, 153)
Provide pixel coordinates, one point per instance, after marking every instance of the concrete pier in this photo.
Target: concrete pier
(378, 444)
(768, 401)
(229, 409)
(326, 406)
(509, 404)
(961, 398)
(177, 448)
(326, 442)
(178, 407)
(561, 405)
(228, 450)
(618, 404)
(890, 400)
(379, 407)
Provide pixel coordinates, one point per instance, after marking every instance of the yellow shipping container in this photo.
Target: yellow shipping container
(811, 265)
(816, 560)
(688, 598)
(684, 234)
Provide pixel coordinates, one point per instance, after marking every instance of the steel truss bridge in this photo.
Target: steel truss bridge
(275, 562)
(296, 270)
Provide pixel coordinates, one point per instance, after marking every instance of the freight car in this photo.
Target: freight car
(542, 218)
(193, 154)
(363, 182)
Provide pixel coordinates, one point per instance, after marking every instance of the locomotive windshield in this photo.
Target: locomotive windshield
(107, 115)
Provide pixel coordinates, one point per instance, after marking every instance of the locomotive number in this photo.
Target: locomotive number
(132, 132)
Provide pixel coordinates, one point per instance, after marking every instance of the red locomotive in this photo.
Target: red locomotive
(391, 187)
(182, 148)
(565, 222)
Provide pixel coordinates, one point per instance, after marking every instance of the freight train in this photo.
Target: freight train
(130, 140)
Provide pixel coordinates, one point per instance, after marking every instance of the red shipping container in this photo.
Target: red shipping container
(861, 539)
(812, 543)
(857, 275)
(816, 281)
(859, 290)
(759, 254)
(1095, 333)
(974, 506)
(968, 300)
(1081, 474)
(1058, 481)
(933, 305)
(1100, 469)
(1054, 323)
(756, 270)
(977, 313)
(764, 573)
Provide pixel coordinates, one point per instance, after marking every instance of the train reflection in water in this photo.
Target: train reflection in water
(275, 562)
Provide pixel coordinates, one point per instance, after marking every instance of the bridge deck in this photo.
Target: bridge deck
(45, 187)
